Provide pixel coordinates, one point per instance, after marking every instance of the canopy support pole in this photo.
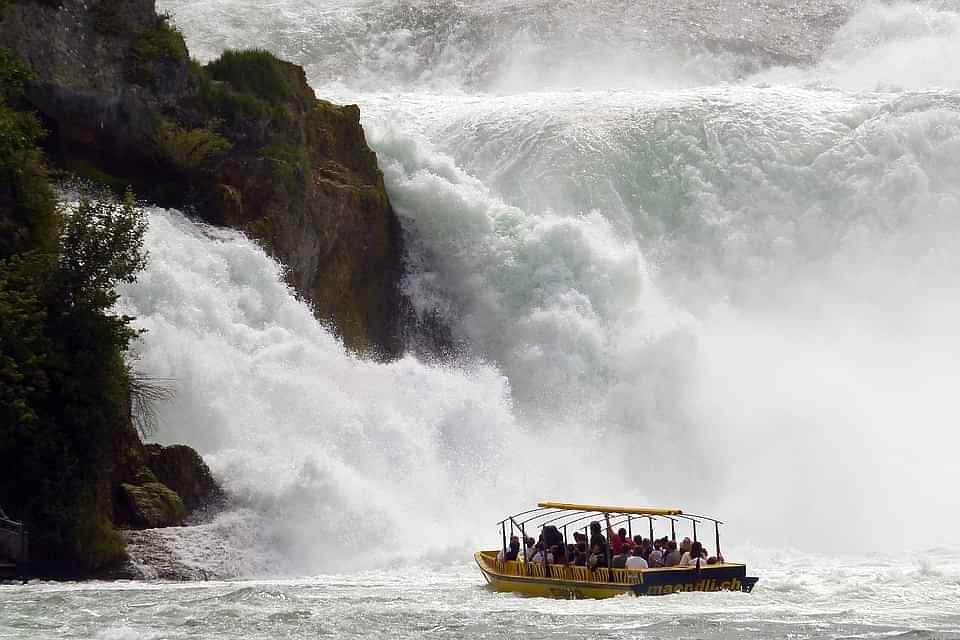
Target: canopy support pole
(609, 545)
(716, 526)
(673, 530)
(630, 527)
(651, 529)
(503, 532)
(526, 561)
(694, 530)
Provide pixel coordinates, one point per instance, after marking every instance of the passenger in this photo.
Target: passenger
(619, 542)
(685, 545)
(598, 556)
(596, 536)
(717, 559)
(512, 552)
(619, 561)
(538, 556)
(559, 554)
(655, 557)
(581, 554)
(673, 556)
(531, 549)
(638, 540)
(636, 561)
(693, 557)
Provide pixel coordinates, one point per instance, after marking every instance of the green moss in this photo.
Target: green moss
(99, 544)
(259, 73)
(161, 44)
(154, 504)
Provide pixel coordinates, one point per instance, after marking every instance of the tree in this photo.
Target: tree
(101, 246)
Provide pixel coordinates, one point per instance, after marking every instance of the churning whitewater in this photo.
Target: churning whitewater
(695, 256)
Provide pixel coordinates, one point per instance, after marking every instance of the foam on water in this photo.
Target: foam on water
(803, 596)
(728, 282)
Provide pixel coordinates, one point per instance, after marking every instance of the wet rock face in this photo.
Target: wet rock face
(181, 468)
(295, 172)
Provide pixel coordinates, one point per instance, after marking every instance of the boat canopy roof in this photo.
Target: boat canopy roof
(637, 511)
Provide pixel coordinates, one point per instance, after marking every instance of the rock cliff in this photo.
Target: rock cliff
(242, 141)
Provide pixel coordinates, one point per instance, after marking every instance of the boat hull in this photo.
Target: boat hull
(577, 582)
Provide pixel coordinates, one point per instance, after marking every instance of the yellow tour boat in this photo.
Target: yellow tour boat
(560, 580)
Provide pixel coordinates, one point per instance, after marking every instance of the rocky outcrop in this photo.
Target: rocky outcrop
(242, 142)
(183, 470)
(152, 505)
(156, 486)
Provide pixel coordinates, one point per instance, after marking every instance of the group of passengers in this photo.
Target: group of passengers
(621, 552)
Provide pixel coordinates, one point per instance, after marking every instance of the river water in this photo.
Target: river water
(800, 596)
(694, 254)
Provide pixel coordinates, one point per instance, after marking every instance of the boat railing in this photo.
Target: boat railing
(580, 573)
(569, 572)
(627, 576)
(560, 571)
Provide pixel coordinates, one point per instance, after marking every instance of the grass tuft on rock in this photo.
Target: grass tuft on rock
(260, 73)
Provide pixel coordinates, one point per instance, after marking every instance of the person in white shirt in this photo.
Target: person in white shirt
(636, 561)
(689, 558)
(538, 556)
(531, 549)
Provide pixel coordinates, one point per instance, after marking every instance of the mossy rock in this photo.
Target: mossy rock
(154, 505)
(184, 471)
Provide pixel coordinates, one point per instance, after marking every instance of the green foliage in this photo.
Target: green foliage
(63, 379)
(23, 346)
(14, 74)
(162, 44)
(28, 216)
(153, 504)
(259, 73)
(190, 150)
(101, 247)
(99, 544)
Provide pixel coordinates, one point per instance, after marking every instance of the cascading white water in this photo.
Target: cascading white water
(715, 276)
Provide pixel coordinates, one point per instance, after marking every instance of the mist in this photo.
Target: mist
(716, 277)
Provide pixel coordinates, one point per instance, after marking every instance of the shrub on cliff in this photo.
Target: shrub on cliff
(161, 44)
(258, 72)
(191, 150)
